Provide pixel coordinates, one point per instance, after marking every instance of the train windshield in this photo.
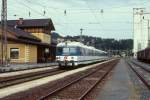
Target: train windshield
(67, 51)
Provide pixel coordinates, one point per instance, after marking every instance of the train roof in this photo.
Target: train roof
(78, 44)
(68, 43)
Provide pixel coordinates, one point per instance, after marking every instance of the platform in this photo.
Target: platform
(120, 86)
(18, 67)
(16, 73)
(35, 83)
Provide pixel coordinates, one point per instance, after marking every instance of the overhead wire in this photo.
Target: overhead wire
(44, 7)
(24, 4)
(36, 11)
(60, 22)
(93, 14)
(57, 23)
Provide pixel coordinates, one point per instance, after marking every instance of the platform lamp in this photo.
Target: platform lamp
(46, 53)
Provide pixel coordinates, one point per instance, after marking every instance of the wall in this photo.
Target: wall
(33, 53)
(27, 53)
(40, 33)
(21, 52)
(45, 38)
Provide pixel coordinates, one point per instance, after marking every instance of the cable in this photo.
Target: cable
(60, 23)
(30, 8)
(46, 11)
(100, 25)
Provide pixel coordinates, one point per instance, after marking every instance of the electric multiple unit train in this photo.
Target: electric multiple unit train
(76, 53)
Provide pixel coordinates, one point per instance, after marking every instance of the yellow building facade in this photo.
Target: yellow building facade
(45, 38)
(29, 41)
(22, 53)
(19, 52)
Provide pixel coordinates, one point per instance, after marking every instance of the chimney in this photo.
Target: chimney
(20, 21)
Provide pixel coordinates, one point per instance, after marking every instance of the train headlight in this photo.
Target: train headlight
(65, 58)
(57, 58)
(72, 58)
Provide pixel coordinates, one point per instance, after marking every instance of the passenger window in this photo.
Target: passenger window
(73, 50)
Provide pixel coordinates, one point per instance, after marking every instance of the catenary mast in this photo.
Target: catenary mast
(4, 33)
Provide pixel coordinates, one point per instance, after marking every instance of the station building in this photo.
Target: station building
(29, 41)
(141, 29)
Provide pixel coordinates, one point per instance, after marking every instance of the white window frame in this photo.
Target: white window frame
(18, 54)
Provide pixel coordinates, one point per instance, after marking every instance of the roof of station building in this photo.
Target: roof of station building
(31, 23)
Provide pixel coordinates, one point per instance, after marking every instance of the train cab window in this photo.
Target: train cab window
(66, 51)
(59, 51)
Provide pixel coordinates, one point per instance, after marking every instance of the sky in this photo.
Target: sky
(99, 18)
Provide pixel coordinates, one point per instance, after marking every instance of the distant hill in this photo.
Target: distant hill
(55, 35)
(115, 46)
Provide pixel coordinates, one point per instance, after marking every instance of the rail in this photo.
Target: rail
(80, 78)
(14, 80)
(139, 75)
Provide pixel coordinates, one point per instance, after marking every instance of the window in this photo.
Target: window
(14, 53)
(59, 50)
(73, 51)
(66, 51)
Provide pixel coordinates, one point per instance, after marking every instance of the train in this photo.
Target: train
(144, 55)
(76, 53)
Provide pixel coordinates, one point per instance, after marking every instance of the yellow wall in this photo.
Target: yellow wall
(31, 53)
(33, 56)
(45, 38)
(21, 52)
(27, 53)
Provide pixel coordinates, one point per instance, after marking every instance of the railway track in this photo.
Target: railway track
(18, 79)
(144, 68)
(79, 88)
(141, 72)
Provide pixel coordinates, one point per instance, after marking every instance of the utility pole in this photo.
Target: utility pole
(81, 30)
(4, 33)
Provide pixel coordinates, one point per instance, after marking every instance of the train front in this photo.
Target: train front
(66, 56)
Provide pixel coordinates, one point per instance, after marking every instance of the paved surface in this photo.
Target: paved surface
(119, 87)
(16, 67)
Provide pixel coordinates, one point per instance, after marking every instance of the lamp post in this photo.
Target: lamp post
(81, 30)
